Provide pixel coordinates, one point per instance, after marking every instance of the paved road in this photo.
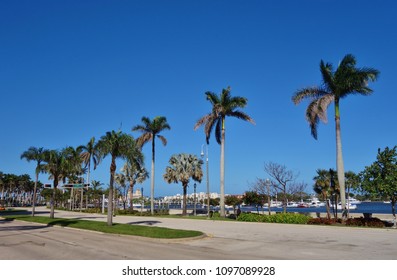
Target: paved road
(226, 240)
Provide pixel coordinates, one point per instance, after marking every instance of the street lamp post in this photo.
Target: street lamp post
(208, 180)
(194, 198)
(267, 182)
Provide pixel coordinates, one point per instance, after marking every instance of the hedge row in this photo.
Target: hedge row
(281, 218)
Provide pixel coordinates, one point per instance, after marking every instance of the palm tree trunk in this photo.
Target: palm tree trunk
(110, 198)
(131, 195)
(34, 194)
(152, 180)
(222, 165)
(184, 212)
(339, 160)
(52, 200)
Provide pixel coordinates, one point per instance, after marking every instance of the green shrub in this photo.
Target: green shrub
(282, 218)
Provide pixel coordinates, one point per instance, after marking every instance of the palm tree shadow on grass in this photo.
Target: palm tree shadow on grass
(62, 222)
(145, 223)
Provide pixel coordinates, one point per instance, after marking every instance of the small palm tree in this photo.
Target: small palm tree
(344, 81)
(88, 154)
(223, 106)
(37, 155)
(322, 186)
(183, 167)
(117, 145)
(135, 172)
(56, 165)
(150, 130)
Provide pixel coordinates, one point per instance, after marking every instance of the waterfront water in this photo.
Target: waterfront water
(364, 207)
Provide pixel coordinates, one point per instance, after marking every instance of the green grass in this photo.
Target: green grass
(136, 230)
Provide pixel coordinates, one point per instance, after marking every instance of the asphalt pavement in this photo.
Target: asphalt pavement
(237, 240)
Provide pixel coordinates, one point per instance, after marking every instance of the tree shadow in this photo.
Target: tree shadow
(9, 227)
(63, 222)
(149, 223)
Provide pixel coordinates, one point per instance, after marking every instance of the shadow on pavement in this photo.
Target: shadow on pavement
(10, 227)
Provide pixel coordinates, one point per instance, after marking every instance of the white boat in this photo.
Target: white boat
(291, 204)
(317, 204)
(273, 204)
(348, 206)
(314, 202)
(352, 200)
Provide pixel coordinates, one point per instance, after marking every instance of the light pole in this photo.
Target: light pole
(194, 198)
(267, 183)
(208, 180)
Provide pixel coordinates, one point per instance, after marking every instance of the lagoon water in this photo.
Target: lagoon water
(364, 207)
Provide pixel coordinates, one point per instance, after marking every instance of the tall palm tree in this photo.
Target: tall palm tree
(37, 155)
(150, 130)
(88, 154)
(117, 145)
(223, 106)
(346, 80)
(183, 167)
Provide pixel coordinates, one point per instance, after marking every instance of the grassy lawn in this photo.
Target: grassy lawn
(137, 230)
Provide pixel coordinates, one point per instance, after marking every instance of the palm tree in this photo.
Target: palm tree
(37, 155)
(135, 172)
(96, 192)
(344, 81)
(56, 165)
(223, 106)
(150, 130)
(89, 154)
(352, 180)
(322, 185)
(183, 167)
(2, 188)
(117, 145)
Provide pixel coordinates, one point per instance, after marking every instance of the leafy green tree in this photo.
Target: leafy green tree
(381, 176)
(182, 168)
(346, 80)
(223, 106)
(234, 201)
(151, 129)
(255, 199)
(117, 145)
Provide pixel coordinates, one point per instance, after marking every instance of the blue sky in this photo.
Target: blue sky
(70, 70)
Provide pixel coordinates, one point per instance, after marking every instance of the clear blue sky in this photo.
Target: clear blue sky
(70, 70)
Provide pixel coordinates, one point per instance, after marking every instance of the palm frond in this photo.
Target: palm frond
(163, 139)
(242, 116)
(307, 93)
